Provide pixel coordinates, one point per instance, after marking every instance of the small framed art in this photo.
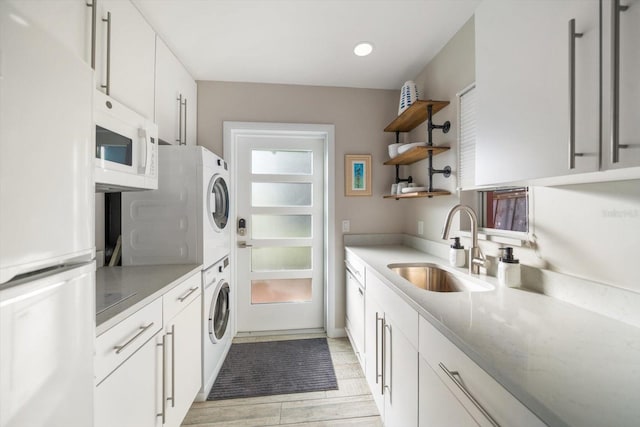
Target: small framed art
(357, 175)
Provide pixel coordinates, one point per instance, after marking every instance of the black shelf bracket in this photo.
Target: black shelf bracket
(446, 172)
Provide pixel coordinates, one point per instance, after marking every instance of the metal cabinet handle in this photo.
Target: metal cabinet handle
(572, 93)
(94, 12)
(243, 245)
(107, 86)
(187, 295)
(377, 353)
(390, 385)
(384, 356)
(173, 366)
(179, 140)
(143, 329)
(164, 379)
(616, 8)
(453, 376)
(185, 121)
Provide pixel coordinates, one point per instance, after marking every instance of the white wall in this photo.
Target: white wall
(359, 116)
(589, 230)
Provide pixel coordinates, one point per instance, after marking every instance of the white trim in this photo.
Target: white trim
(327, 132)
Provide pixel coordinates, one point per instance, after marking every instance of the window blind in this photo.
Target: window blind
(467, 142)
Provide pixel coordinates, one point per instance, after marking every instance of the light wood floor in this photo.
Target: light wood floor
(350, 405)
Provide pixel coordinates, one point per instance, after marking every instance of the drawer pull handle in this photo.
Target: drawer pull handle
(143, 329)
(188, 294)
(453, 375)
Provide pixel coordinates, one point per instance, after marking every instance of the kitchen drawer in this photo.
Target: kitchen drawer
(179, 297)
(115, 345)
(403, 315)
(356, 266)
(502, 406)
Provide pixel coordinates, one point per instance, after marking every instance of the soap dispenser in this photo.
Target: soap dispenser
(508, 268)
(456, 253)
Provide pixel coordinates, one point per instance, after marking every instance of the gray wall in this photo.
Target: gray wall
(359, 116)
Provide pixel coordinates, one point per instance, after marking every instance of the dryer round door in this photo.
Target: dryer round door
(218, 202)
(219, 312)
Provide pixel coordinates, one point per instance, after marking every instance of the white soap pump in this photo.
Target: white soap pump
(457, 256)
(508, 268)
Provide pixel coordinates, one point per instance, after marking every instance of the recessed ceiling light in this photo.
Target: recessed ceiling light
(363, 49)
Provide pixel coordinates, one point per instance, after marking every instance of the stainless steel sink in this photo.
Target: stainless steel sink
(432, 278)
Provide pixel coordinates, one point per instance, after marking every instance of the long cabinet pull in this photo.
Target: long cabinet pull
(107, 86)
(185, 121)
(173, 366)
(187, 295)
(453, 375)
(94, 12)
(616, 8)
(164, 378)
(377, 352)
(572, 94)
(143, 329)
(390, 385)
(179, 140)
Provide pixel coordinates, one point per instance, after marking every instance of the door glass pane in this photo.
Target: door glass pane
(280, 226)
(281, 162)
(280, 258)
(280, 290)
(271, 194)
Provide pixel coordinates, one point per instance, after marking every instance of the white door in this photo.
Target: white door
(279, 181)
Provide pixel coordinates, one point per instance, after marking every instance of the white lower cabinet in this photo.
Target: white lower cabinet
(130, 396)
(182, 362)
(437, 406)
(391, 354)
(355, 315)
(147, 368)
(487, 402)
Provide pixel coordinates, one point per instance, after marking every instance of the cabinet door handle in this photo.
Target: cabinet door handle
(377, 353)
(179, 140)
(390, 385)
(185, 121)
(572, 93)
(143, 329)
(163, 413)
(188, 294)
(173, 366)
(453, 376)
(94, 12)
(107, 86)
(616, 8)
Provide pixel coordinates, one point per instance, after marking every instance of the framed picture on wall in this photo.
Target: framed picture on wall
(357, 175)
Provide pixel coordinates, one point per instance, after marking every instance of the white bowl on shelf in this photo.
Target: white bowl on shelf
(413, 189)
(407, 147)
(393, 149)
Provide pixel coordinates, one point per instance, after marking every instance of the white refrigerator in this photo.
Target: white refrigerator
(47, 249)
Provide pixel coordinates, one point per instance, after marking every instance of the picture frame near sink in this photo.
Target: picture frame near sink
(357, 175)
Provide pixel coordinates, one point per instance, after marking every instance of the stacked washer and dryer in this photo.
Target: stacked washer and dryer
(185, 221)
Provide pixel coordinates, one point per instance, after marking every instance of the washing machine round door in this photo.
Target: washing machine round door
(219, 312)
(218, 202)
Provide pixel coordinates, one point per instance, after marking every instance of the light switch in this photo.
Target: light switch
(346, 226)
(420, 228)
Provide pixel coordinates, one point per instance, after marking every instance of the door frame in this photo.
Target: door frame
(231, 130)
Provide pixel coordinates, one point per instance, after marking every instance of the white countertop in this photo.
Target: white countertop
(140, 284)
(569, 366)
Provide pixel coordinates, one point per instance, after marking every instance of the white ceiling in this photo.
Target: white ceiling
(307, 42)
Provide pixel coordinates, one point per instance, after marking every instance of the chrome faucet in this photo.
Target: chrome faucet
(476, 259)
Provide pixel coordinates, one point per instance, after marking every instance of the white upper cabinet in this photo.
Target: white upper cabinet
(175, 99)
(621, 83)
(125, 55)
(524, 78)
(69, 21)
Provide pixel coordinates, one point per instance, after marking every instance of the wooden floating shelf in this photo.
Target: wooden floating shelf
(414, 115)
(417, 194)
(415, 154)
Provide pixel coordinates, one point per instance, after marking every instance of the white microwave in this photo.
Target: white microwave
(126, 155)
